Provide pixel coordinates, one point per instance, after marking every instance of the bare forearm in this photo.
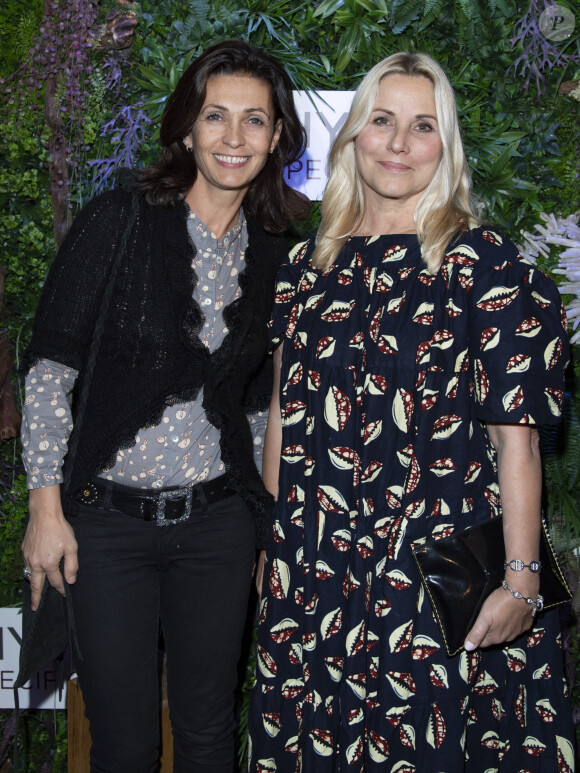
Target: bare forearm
(273, 437)
(45, 502)
(272, 452)
(504, 617)
(271, 462)
(520, 485)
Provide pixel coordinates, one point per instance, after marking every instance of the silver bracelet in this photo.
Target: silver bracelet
(517, 565)
(537, 603)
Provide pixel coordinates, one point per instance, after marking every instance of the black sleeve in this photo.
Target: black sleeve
(71, 297)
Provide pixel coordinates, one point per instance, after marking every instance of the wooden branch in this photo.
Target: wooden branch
(568, 86)
(9, 416)
(57, 166)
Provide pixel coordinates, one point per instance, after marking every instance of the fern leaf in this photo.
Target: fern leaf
(431, 13)
(404, 13)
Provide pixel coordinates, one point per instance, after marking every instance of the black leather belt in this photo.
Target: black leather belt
(166, 506)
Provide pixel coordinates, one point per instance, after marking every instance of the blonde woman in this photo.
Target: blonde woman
(416, 353)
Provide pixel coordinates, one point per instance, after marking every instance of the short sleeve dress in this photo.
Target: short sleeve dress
(388, 375)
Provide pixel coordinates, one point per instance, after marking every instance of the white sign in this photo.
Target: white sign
(322, 114)
(41, 691)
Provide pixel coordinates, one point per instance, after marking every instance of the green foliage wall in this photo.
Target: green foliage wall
(520, 143)
(520, 134)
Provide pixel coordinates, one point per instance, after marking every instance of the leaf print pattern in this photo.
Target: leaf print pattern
(388, 374)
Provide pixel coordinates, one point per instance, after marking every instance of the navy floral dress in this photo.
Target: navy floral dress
(388, 373)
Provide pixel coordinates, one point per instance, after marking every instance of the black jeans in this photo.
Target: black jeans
(195, 578)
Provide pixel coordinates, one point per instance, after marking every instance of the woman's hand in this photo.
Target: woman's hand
(502, 618)
(48, 538)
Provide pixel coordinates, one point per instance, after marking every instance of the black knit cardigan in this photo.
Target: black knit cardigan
(150, 355)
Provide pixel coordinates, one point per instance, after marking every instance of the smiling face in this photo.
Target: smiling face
(397, 153)
(233, 134)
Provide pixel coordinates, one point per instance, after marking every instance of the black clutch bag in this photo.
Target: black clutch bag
(46, 633)
(460, 571)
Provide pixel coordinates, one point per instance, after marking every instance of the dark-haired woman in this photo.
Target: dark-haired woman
(158, 507)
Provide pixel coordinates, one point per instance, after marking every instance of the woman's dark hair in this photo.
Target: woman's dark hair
(269, 199)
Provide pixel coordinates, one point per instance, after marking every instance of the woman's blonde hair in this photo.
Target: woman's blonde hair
(445, 206)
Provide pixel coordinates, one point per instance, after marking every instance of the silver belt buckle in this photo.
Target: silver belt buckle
(164, 496)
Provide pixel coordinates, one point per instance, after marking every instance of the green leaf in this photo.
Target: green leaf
(347, 46)
(327, 8)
